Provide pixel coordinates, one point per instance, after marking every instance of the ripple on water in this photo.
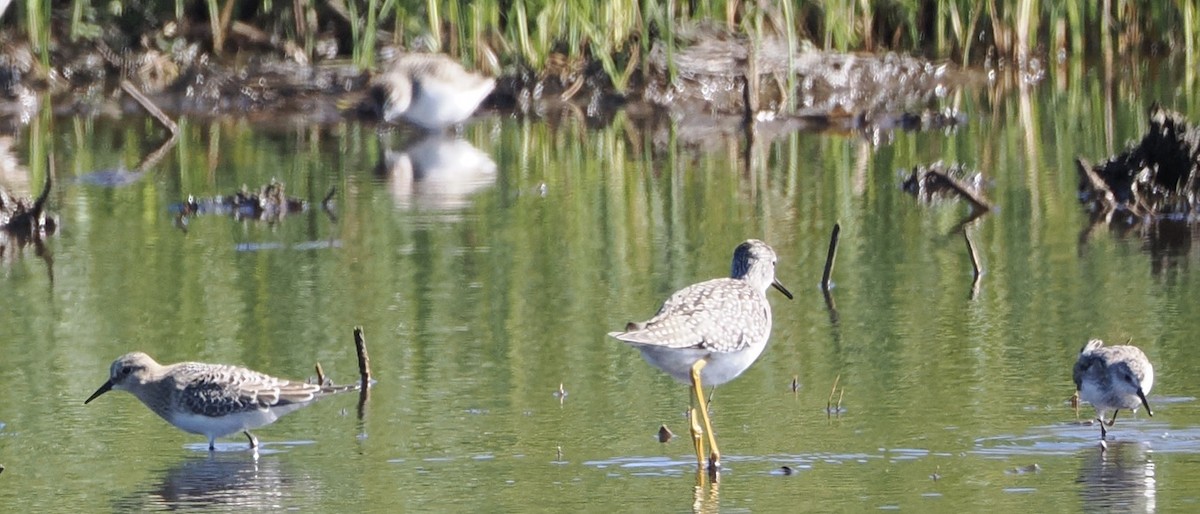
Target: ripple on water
(1069, 438)
(668, 466)
(264, 448)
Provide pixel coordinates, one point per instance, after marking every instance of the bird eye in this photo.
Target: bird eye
(127, 370)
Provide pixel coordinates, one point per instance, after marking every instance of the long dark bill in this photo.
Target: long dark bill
(108, 387)
(779, 285)
(1145, 403)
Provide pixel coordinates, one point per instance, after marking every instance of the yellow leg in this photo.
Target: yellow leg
(697, 437)
(714, 460)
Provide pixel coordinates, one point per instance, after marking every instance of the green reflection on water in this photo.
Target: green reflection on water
(480, 299)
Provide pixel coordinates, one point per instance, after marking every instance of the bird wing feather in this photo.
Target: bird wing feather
(699, 316)
(220, 390)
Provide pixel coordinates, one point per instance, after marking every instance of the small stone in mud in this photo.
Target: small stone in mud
(664, 434)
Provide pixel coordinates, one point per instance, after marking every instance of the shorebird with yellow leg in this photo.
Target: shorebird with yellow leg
(213, 400)
(1113, 378)
(710, 332)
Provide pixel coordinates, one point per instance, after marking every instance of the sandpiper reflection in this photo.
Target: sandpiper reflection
(437, 173)
(1122, 479)
(221, 481)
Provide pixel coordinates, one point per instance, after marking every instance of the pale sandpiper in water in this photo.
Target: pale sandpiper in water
(213, 400)
(431, 90)
(1113, 378)
(712, 331)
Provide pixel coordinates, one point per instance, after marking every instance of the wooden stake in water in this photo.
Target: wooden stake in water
(364, 362)
(829, 258)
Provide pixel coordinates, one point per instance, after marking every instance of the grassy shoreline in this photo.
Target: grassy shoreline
(544, 36)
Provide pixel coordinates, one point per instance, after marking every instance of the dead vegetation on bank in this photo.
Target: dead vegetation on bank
(1157, 177)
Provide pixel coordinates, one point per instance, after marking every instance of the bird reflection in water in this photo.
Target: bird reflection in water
(439, 173)
(1122, 479)
(221, 481)
(706, 496)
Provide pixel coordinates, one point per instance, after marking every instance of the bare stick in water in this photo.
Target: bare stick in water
(157, 155)
(327, 204)
(320, 375)
(829, 403)
(829, 258)
(149, 106)
(974, 255)
(364, 371)
(364, 362)
(962, 190)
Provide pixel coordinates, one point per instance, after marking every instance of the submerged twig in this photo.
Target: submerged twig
(364, 362)
(149, 106)
(962, 190)
(974, 255)
(829, 257)
(157, 155)
(829, 403)
(1105, 195)
(364, 370)
(327, 204)
(831, 306)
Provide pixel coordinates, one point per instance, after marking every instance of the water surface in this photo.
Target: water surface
(483, 287)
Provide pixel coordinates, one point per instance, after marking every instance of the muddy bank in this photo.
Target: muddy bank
(718, 72)
(718, 76)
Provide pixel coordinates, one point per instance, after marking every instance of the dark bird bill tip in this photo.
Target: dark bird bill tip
(778, 285)
(1146, 404)
(103, 389)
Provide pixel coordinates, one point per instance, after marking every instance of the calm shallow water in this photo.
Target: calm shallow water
(480, 293)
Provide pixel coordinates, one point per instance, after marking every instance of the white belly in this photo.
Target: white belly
(721, 367)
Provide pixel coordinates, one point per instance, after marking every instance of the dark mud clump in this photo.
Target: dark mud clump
(940, 181)
(1149, 191)
(23, 221)
(20, 217)
(1156, 178)
(269, 203)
